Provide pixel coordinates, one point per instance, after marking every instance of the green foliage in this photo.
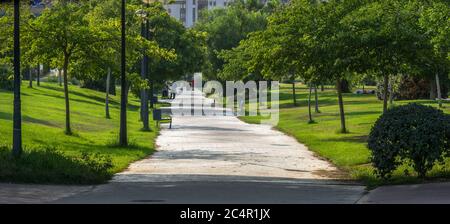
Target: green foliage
(411, 133)
(50, 165)
(436, 21)
(225, 28)
(188, 45)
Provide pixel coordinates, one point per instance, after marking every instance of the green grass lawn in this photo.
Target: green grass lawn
(43, 117)
(348, 151)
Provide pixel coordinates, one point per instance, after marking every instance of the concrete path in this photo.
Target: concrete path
(225, 145)
(220, 159)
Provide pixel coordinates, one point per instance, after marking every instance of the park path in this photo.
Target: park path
(209, 147)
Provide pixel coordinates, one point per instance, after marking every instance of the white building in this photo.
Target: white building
(187, 10)
(184, 10)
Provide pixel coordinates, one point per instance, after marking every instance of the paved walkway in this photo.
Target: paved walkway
(220, 159)
(225, 145)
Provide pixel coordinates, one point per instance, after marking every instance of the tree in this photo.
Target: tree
(61, 32)
(388, 39)
(304, 38)
(226, 27)
(435, 20)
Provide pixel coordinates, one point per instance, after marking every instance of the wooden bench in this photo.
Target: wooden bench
(157, 116)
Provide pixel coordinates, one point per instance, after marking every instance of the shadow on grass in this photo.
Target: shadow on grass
(352, 139)
(50, 166)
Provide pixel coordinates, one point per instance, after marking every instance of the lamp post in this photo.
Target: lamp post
(123, 136)
(17, 117)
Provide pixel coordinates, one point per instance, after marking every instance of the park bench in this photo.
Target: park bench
(158, 117)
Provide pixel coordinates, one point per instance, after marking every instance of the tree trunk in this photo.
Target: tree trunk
(149, 93)
(59, 77)
(152, 102)
(123, 136)
(322, 88)
(385, 92)
(309, 104)
(66, 95)
(38, 74)
(108, 79)
(17, 116)
(316, 99)
(341, 106)
(294, 97)
(438, 88)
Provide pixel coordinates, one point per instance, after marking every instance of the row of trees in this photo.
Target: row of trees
(337, 40)
(86, 40)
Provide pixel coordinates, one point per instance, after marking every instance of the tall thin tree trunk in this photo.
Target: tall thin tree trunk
(294, 97)
(66, 95)
(17, 116)
(38, 75)
(150, 92)
(322, 88)
(341, 105)
(438, 88)
(385, 92)
(30, 77)
(316, 99)
(309, 104)
(123, 136)
(152, 98)
(108, 79)
(59, 77)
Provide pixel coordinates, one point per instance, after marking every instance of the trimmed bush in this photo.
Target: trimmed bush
(415, 134)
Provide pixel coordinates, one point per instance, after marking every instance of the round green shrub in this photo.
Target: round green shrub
(413, 133)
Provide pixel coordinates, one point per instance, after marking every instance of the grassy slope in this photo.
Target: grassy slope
(44, 121)
(347, 151)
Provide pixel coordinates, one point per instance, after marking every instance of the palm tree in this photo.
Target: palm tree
(17, 117)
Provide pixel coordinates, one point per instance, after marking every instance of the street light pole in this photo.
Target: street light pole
(17, 117)
(123, 138)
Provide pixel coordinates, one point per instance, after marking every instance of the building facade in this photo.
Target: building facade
(187, 11)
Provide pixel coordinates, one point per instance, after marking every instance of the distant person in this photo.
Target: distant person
(173, 90)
